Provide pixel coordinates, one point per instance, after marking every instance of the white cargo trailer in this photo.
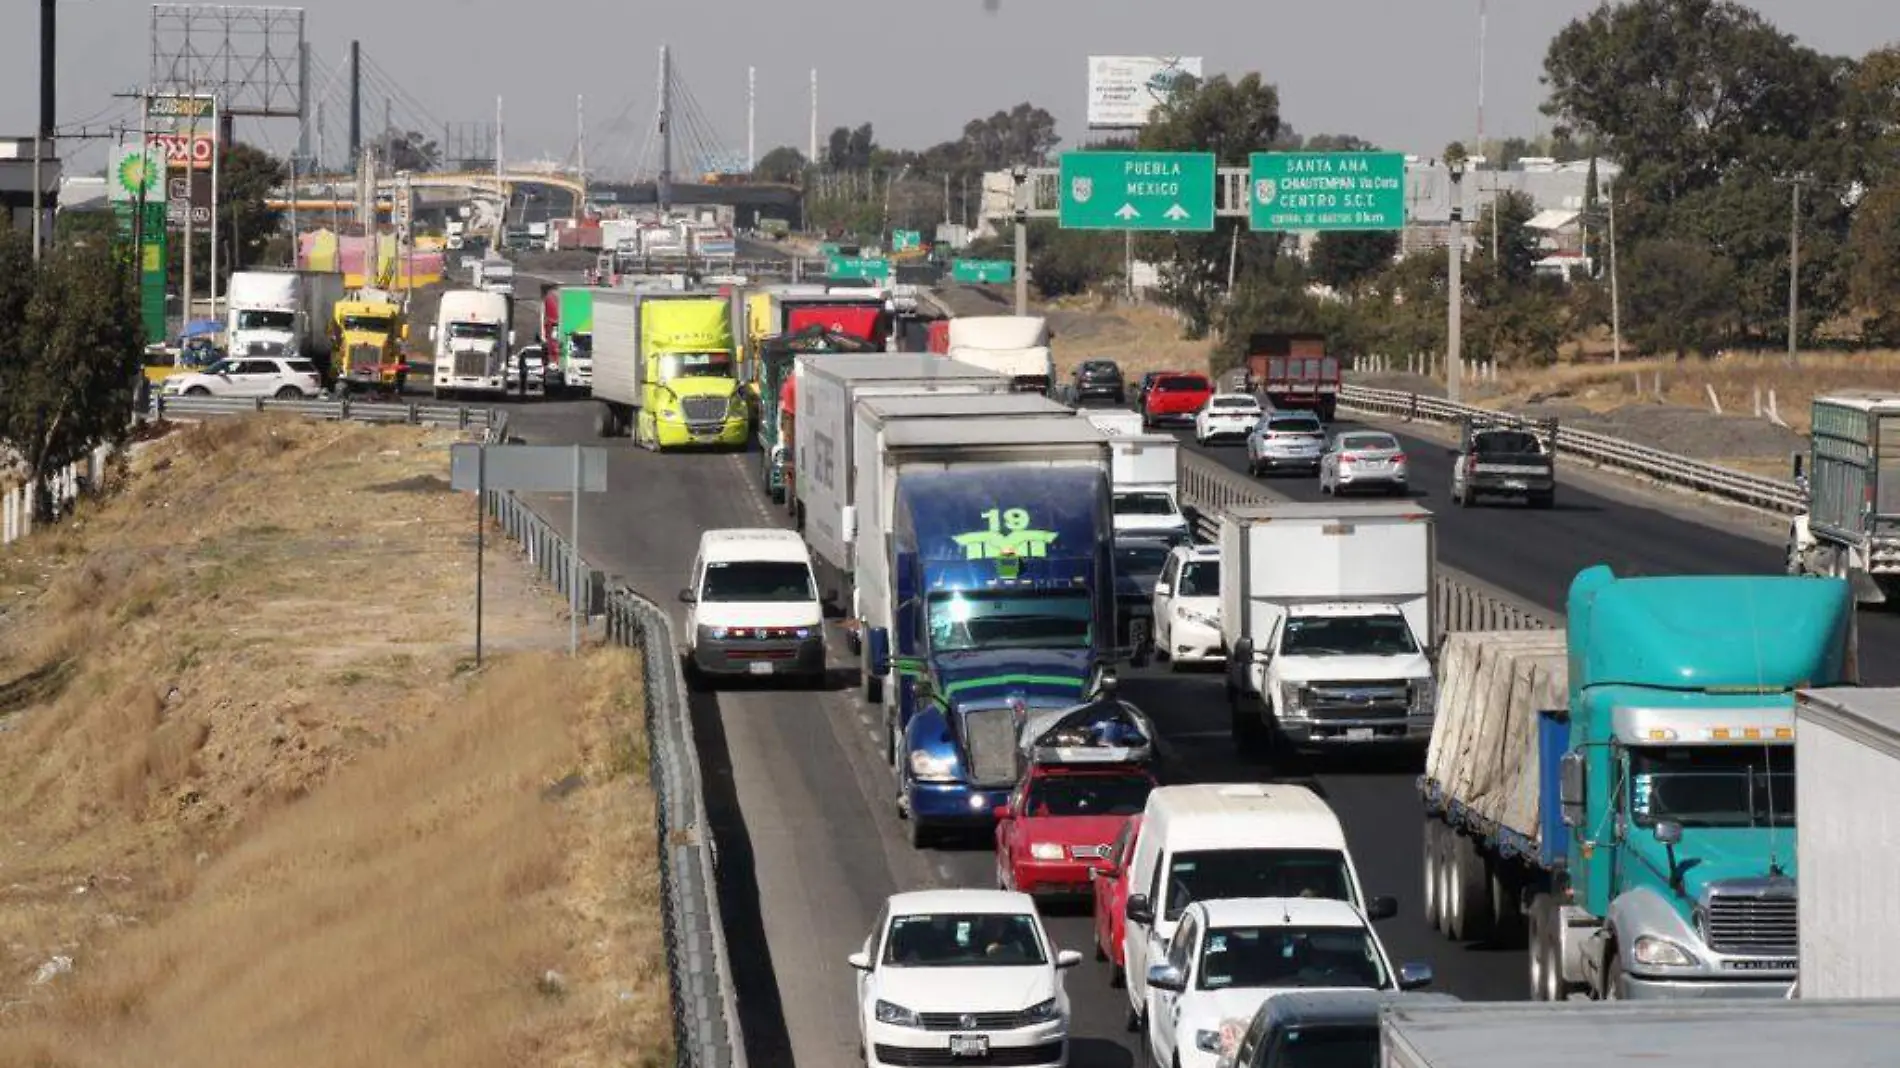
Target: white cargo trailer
(1599, 1034)
(1847, 792)
(1146, 482)
(1012, 345)
(1113, 421)
(1326, 610)
(827, 387)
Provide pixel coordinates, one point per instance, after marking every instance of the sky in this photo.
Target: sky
(1400, 73)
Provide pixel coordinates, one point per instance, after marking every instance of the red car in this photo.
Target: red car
(1175, 399)
(1111, 897)
(1060, 823)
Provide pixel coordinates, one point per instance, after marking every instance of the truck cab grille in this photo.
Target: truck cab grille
(1357, 700)
(704, 409)
(471, 364)
(1757, 918)
(989, 738)
(365, 357)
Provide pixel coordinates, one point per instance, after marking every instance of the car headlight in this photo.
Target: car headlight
(924, 767)
(895, 1015)
(1661, 953)
(1046, 851)
(1423, 694)
(1207, 1041)
(736, 405)
(1044, 1012)
(1289, 704)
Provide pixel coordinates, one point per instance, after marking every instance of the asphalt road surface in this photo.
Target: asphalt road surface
(803, 809)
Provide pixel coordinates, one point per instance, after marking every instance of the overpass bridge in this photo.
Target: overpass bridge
(749, 201)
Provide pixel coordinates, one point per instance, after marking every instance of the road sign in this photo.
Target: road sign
(1327, 191)
(982, 272)
(903, 240)
(857, 267)
(1137, 190)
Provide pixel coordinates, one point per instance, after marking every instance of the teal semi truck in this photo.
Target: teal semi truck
(1621, 793)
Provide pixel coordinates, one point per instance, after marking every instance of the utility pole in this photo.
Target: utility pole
(1616, 302)
(1020, 175)
(1484, 22)
(1455, 297)
(356, 101)
(389, 133)
(580, 152)
(1794, 275)
(49, 86)
(751, 118)
(811, 147)
(663, 192)
(501, 186)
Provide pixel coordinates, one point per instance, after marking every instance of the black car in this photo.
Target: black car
(1100, 378)
(1138, 563)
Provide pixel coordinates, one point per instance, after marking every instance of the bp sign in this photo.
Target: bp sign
(136, 174)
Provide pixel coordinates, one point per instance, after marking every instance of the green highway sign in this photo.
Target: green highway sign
(981, 272)
(903, 240)
(1327, 191)
(858, 267)
(1137, 191)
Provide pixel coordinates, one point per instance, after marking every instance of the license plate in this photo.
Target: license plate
(1359, 734)
(1514, 483)
(760, 667)
(969, 1045)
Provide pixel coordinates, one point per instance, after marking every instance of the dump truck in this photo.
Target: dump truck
(1851, 526)
(367, 331)
(1294, 370)
(664, 370)
(1624, 788)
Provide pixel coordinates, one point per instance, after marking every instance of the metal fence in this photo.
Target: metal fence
(706, 1027)
(1781, 496)
(443, 415)
(1459, 601)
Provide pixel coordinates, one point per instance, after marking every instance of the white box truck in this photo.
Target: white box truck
(1016, 346)
(826, 388)
(1326, 611)
(1847, 791)
(473, 337)
(1146, 483)
(281, 313)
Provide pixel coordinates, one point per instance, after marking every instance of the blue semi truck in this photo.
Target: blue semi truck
(1621, 793)
(985, 569)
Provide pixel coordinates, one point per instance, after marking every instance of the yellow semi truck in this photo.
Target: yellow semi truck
(666, 370)
(367, 333)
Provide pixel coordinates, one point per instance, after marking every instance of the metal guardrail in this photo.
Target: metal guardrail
(1460, 601)
(706, 1028)
(443, 415)
(1781, 496)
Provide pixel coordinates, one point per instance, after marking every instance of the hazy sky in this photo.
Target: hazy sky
(1402, 73)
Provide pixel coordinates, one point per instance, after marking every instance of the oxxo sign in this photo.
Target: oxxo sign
(182, 150)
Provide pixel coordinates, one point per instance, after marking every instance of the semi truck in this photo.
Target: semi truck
(473, 336)
(281, 313)
(779, 310)
(1838, 1034)
(773, 359)
(664, 370)
(495, 275)
(1847, 742)
(570, 342)
(994, 552)
(1326, 613)
(824, 480)
(1624, 787)
(1294, 370)
(367, 332)
(1851, 526)
(1016, 346)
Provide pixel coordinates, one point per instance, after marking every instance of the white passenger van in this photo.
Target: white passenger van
(1218, 841)
(753, 607)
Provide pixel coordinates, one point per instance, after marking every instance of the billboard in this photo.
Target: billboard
(185, 127)
(1123, 90)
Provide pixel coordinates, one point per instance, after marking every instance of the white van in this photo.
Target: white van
(1217, 841)
(752, 607)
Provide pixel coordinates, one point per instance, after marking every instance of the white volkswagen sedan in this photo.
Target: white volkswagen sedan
(1226, 417)
(961, 976)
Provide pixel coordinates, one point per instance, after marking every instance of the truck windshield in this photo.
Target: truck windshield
(475, 331)
(1713, 785)
(1218, 874)
(369, 324)
(1506, 443)
(757, 581)
(1087, 795)
(1384, 635)
(254, 319)
(580, 344)
(1289, 958)
(696, 365)
(1057, 619)
(1333, 1046)
(1145, 503)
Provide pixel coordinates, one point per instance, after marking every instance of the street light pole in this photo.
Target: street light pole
(1794, 275)
(1455, 297)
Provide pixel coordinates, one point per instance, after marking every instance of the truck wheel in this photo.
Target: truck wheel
(603, 421)
(1615, 979)
(1470, 921)
(1434, 908)
(1547, 952)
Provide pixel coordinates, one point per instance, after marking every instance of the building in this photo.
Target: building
(16, 180)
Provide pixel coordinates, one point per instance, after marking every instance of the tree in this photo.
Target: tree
(850, 150)
(1023, 135)
(783, 164)
(1679, 294)
(1346, 259)
(1517, 245)
(411, 150)
(1230, 119)
(68, 377)
(246, 177)
(1068, 262)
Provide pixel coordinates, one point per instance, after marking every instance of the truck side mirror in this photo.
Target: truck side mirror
(1138, 909)
(1570, 788)
(1669, 832)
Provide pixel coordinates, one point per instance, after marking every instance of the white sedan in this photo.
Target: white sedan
(1228, 956)
(1226, 417)
(951, 976)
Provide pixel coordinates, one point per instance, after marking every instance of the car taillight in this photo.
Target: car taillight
(1398, 458)
(1349, 457)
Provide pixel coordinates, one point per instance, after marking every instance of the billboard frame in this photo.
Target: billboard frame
(1118, 86)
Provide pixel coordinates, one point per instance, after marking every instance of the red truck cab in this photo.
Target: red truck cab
(1060, 823)
(1175, 398)
(1294, 371)
(869, 321)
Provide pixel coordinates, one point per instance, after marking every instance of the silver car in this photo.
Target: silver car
(1283, 441)
(1363, 460)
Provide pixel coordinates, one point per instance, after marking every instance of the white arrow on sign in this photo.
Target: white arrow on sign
(1127, 212)
(1176, 212)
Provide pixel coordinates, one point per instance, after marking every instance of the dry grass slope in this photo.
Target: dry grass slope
(256, 798)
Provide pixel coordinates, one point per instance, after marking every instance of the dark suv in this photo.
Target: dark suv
(1100, 378)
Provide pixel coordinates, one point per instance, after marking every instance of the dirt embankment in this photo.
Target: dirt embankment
(260, 804)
